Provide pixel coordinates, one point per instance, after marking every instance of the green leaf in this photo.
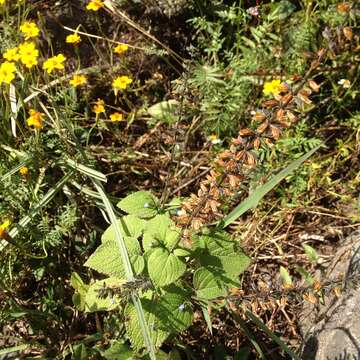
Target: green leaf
(207, 284)
(182, 252)
(285, 276)
(106, 258)
(92, 300)
(309, 279)
(165, 111)
(262, 190)
(164, 267)
(206, 314)
(160, 231)
(81, 289)
(133, 329)
(80, 352)
(220, 251)
(173, 313)
(311, 253)
(130, 226)
(118, 350)
(141, 203)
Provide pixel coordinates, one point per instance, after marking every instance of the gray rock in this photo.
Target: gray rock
(333, 328)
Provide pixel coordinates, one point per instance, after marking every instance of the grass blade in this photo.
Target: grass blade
(14, 349)
(128, 269)
(262, 190)
(268, 332)
(43, 202)
(94, 174)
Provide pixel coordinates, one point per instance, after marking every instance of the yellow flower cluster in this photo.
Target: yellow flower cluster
(99, 107)
(28, 54)
(25, 52)
(272, 87)
(3, 227)
(35, 119)
(7, 72)
(54, 63)
(73, 39)
(94, 5)
(24, 170)
(115, 117)
(78, 80)
(29, 29)
(121, 48)
(121, 83)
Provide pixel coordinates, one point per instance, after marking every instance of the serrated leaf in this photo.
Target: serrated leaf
(311, 253)
(133, 329)
(181, 252)
(207, 285)
(285, 276)
(231, 265)
(164, 267)
(92, 300)
(160, 231)
(173, 313)
(141, 203)
(130, 226)
(220, 251)
(118, 350)
(106, 258)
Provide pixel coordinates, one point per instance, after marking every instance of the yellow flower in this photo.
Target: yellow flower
(35, 119)
(29, 29)
(12, 54)
(54, 63)
(3, 227)
(214, 139)
(78, 80)
(345, 83)
(99, 107)
(24, 170)
(116, 117)
(28, 54)
(2, 2)
(7, 72)
(272, 87)
(121, 83)
(121, 48)
(94, 5)
(73, 39)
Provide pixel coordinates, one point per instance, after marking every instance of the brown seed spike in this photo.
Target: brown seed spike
(257, 143)
(259, 116)
(348, 33)
(290, 115)
(270, 103)
(275, 132)
(250, 158)
(343, 7)
(262, 127)
(314, 86)
(310, 298)
(317, 285)
(286, 99)
(303, 97)
(280, 114)
(245, 132)
(337, 292)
